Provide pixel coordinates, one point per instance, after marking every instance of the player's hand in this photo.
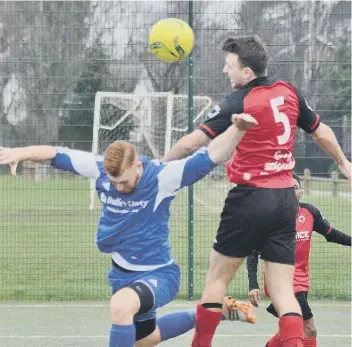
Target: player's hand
(11, 157)
(346, 169)
(244, 121)
(254, 297)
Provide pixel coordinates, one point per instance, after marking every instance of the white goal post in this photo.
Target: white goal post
(153, 122)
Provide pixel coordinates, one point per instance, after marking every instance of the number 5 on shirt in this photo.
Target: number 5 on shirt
(281, 117)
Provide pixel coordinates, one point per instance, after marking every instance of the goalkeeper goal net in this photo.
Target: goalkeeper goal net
(153, 122)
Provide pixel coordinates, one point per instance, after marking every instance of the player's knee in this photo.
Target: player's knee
(284, 300)
(279, 277)
(124, 303)
(281, 288)
(285, 292)
(309, 329)
(222, 268)
(215, 284)
(213, 276)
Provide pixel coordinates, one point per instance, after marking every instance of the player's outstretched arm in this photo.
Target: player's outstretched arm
(339, 237)
(252, 270)
(12, 156)
(219, 119)
(187, 145)
(323, 227)
(326, 139)
(223, 145)
(77, 162)
(181, 173)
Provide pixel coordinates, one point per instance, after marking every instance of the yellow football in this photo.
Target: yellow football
(171, 39)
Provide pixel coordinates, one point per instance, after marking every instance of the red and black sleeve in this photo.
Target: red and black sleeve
(219, 118)
(323, 227)
(308, 120)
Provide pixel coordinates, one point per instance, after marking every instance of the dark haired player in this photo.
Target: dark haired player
(260, 213)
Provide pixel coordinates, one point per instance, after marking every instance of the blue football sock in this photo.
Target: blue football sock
(122, 335)
(175, 324)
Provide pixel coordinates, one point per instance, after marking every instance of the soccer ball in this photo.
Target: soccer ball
(171, 39)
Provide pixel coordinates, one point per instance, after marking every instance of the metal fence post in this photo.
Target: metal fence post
(190, 188)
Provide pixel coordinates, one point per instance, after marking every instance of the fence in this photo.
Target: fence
(55, 56)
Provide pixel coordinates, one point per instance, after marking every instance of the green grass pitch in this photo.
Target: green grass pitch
(48, 251)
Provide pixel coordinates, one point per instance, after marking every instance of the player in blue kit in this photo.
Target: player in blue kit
(136, 193)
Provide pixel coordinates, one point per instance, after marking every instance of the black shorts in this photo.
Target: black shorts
(302, 298)
(259, 218)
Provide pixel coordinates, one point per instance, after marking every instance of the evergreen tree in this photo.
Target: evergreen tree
(78, 127)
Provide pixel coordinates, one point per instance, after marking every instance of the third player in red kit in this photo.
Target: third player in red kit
(260, 212)
(308, 219)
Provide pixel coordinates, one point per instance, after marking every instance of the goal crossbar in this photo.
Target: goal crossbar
(159, 115)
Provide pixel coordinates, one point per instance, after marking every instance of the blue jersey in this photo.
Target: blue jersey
(134, 227)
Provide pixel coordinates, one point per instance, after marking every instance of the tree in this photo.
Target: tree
(78, 126)
(44, 55)
(339, 77)
(338, 99)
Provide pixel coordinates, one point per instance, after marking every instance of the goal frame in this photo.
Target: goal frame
(132, 96)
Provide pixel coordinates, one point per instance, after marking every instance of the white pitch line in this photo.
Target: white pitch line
(52, 305)
(105, 336)
(83, 305)
(209, 208)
